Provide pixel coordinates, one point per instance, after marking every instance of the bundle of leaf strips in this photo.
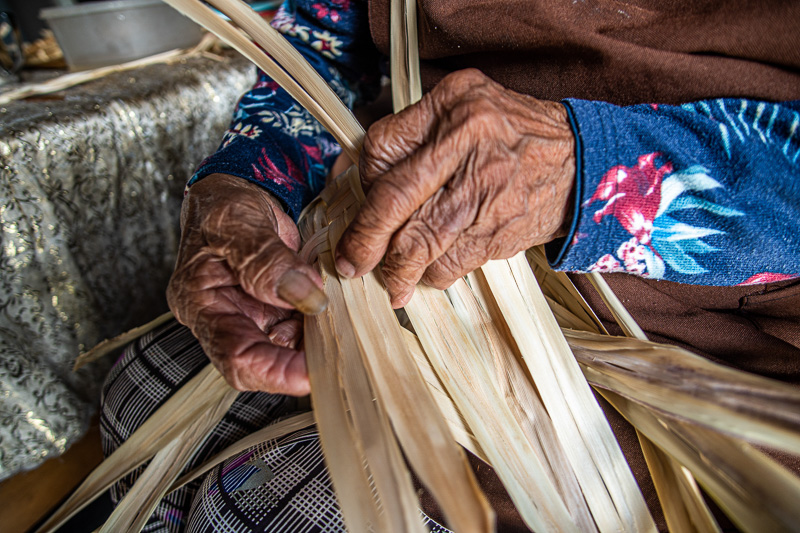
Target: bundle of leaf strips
(490, 368)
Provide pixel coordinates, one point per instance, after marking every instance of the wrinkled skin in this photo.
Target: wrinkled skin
(237, 282)
(473, 172)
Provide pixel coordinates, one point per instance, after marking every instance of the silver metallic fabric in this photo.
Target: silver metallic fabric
(90, 192)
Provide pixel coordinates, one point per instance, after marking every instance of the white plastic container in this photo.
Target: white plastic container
(98, 34)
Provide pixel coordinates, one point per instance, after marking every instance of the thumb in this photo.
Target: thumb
(302, 292)
(265, 267)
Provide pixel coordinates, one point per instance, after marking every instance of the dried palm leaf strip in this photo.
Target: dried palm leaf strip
(557, 285)
(693, 503)
(131, 514)
(300, 82)
(207, 388)
(629, 326)
(110, 345)
(274, 431)
(679, 496)
(608, 485)
(455, 420)
(564, 315)
(754, 491)
(368, 426)
(341, 119)
(420, 428)
(516, 389)
(404, 54)
(470, 383)
(683, 506)
(344, 457)
(687, 386)
(73, 79)
(683, 511)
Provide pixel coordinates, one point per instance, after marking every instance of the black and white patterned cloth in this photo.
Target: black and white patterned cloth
(276, 486)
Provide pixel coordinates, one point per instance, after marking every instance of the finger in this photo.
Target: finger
(265, 267)
(458, 261)
(286, 333)
(341, 164)
(393, 199)
(475, 246)
(428, 234)
(248, 359)
(396, 137)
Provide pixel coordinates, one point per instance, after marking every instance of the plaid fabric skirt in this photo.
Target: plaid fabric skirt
(277, 486)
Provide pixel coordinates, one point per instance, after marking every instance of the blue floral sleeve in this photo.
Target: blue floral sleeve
(272, 140)
(706, 193)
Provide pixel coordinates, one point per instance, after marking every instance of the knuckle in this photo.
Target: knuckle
(359, 243)
(443, 272)
(482, 116)
(389, 201)
(467, 77)
(413, 245)
(262, 266)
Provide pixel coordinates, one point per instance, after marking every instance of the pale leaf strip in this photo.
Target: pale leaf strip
(110, 345)
(177, 413)
(473, 306)
(678, 382)
(757, 493)
(133, 511)
(395, 490)
(197, 11)
(629, 326)
(608, 485)
(273, 431)
(469, 381)
(420, 428)
(341, 119)
(344, 457)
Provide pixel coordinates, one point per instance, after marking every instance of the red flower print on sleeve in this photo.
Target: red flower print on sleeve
(632, 195)
(321, 11)
(607, 263)
(643, 199)
(266, 170)
(767, 277)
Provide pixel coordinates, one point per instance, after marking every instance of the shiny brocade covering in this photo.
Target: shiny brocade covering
(90, 191)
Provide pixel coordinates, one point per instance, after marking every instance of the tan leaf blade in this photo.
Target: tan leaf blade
(349, 135)
(133, 511)
(433, 454)
(757, 493)
(273, 431)
(177, 413)
(685, 385)
(608, 485)
(110, 345)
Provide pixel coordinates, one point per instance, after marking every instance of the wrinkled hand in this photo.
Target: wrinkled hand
(472, 172)
(238, 281)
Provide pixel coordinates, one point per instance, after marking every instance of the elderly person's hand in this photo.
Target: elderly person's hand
(238, 281)
(472, 172)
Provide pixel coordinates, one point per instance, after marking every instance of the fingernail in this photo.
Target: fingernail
(344, 267)
(301, 292)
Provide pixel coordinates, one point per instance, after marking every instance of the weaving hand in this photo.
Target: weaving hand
(238, 283)
(472, 172)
